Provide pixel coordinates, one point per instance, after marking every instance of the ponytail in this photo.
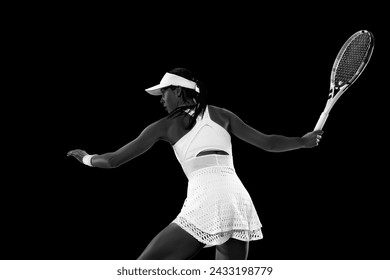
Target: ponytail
(201, 101)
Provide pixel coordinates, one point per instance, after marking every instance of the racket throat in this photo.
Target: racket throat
(333, 91)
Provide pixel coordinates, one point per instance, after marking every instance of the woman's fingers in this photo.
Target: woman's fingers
(78, 154)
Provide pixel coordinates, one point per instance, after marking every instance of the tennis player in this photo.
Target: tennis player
(218, 210)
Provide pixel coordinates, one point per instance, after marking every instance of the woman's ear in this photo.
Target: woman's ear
(178, 91)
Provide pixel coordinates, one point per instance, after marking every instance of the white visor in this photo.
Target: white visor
(172, 80)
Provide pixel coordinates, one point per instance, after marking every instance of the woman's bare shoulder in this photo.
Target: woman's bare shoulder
(217, 109)
(222, 112)
(220, 115)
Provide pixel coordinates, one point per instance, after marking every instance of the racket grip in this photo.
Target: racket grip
(321, 121)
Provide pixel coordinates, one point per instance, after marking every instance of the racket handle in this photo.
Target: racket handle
(321, 121)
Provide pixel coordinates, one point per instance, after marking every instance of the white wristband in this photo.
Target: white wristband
(87, 160)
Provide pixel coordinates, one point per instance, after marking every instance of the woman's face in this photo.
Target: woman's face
(170, 98)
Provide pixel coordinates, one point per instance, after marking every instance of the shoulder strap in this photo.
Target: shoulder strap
(206, 112)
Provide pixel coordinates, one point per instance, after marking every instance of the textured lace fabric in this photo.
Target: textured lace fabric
(218, 207)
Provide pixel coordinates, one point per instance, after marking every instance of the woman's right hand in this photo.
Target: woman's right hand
(312, 139)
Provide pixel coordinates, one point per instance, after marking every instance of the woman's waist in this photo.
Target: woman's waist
(217, 161)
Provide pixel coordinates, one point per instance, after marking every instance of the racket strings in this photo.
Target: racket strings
(352, 59)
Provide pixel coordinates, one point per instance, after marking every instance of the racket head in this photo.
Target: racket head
(351, 60)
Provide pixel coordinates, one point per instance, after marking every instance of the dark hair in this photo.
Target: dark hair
(188, 94)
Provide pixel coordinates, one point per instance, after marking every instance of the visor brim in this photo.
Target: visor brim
(156, 90)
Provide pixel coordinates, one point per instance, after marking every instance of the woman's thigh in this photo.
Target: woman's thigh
(232, 249)
(172, 243)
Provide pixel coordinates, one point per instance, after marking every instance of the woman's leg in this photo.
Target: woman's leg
(172, 243)
(232, 249)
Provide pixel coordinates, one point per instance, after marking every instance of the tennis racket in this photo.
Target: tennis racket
(349, 64)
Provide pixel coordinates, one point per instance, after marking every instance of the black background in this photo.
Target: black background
(80, 79)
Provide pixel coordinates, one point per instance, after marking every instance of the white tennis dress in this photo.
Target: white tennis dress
(218, 206)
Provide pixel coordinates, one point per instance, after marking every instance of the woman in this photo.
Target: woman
(218, 210)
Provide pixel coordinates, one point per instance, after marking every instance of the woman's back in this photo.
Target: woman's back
(205, 136)
(177, 127)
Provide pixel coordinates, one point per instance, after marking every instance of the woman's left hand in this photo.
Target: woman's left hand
(312, 139)
(78, 154)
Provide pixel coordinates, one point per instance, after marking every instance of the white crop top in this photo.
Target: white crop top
(205, 135)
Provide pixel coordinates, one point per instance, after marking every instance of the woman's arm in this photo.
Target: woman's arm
(270, 143)
(149, 136)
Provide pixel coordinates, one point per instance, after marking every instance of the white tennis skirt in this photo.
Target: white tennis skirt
(218, 206)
